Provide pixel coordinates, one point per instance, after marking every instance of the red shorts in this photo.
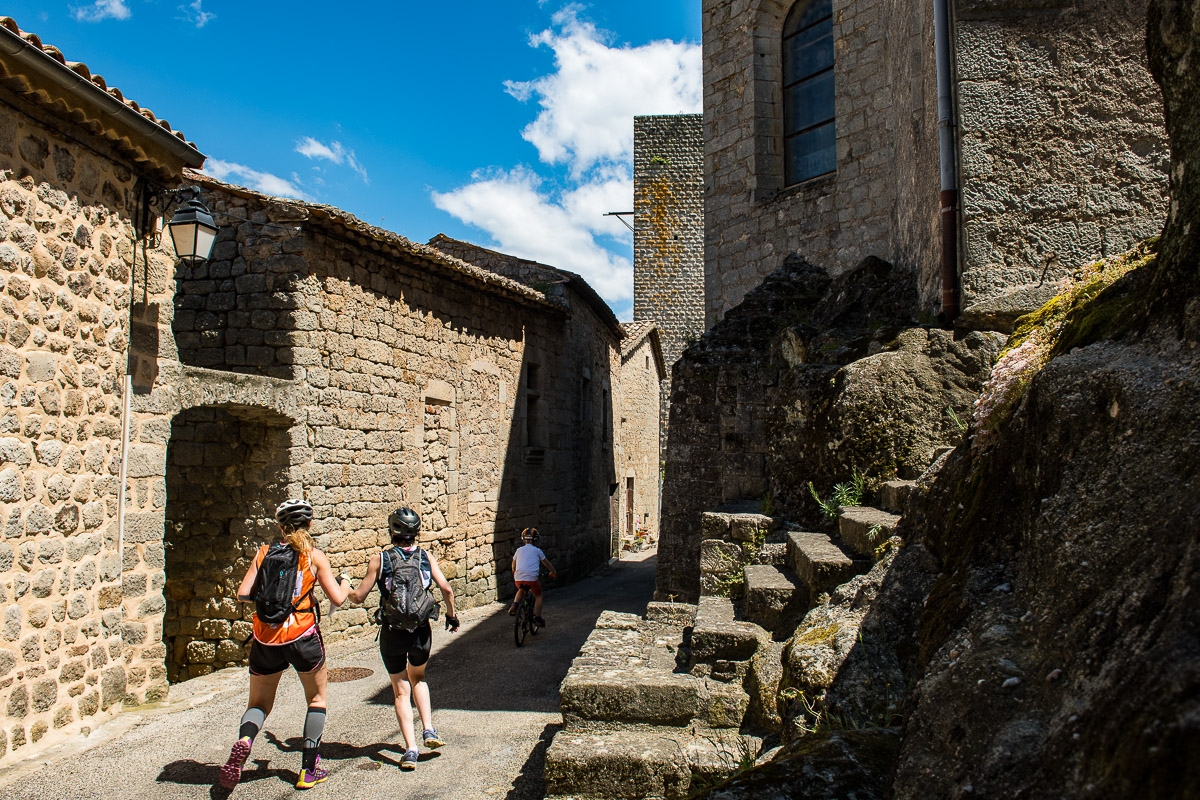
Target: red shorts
(533, 586)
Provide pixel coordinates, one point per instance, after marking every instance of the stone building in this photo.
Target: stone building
(1059, 142)
(77, 164)
(823, 252)
(627, 402)
(636, 502)
(313, 355)
(668, 233)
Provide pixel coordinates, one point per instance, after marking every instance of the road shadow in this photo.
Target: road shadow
(195, 773)
(188, 772)
(530, 784)
(482, 669)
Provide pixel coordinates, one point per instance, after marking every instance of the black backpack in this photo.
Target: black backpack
(275, 585)
(406, 604)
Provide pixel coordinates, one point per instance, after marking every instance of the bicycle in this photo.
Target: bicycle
(523, 623)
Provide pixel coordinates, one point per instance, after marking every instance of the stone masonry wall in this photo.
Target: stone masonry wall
(872, 204)
(668, 234)
(226, 472)
(639, 455)
(1062, 146)
(65, 260)
(418, 397)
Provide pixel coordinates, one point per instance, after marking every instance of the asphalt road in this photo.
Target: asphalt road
(496, 705)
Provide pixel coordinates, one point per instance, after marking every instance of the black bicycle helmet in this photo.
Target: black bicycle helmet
(529, 535)
(403, 523)
(294, 513)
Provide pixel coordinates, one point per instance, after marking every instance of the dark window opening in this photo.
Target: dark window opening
(809, 146)
(533, 396)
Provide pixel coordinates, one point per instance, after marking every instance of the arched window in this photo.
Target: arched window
(808, 125)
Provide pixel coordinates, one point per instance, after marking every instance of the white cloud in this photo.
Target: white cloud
(101, 9)
(333, 152)
(193, 14)
(589, 102)
(585, 124)
(263, 182)
(526, 223)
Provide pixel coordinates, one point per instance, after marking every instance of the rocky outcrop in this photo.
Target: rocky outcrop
(848, 663)
(809, 379)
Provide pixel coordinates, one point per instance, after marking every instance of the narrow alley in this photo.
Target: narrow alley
(496, 705)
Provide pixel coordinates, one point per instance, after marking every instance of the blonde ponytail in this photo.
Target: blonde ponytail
(299, 538)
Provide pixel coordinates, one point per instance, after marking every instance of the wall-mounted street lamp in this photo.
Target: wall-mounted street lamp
(193, 232)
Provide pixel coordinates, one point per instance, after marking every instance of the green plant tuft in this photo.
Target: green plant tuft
(847, 493)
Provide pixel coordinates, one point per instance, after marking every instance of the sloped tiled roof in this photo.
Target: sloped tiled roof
(493, 258)
(635, 333)
(69, 89)
(363, 234)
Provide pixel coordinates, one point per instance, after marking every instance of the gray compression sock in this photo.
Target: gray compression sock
(252, 722)
(314, 728)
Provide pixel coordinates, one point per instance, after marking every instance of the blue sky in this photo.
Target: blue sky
(506, 123)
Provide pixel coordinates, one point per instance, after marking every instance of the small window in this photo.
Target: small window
(809, 147)
(585, 405)
(533, 396)
(647, 363)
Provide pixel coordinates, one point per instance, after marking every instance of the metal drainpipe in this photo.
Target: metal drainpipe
(125, 411)
(127, 389)
(949, 183)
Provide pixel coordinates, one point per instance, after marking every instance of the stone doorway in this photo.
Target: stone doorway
(227, 469)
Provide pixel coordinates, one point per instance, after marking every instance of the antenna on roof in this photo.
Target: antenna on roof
(621, 215)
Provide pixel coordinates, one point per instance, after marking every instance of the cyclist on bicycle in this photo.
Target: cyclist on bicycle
(526, 564)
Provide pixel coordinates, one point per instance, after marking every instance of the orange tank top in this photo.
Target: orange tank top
(304, 619)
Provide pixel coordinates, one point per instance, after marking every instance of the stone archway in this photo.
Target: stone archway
(227, 469)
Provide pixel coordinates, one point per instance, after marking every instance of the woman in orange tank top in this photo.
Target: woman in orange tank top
(292, 637)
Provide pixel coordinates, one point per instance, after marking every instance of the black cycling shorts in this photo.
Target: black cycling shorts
(306, 654)
(399, 647)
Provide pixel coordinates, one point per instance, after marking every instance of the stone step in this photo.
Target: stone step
(855, 524)
(719, 635)
(659, 763)
(894, 494)
(721, 564)
(775, 597)
(736, 527)
(626, 671)
(818, 562)
(618, 764)
(679, 614)
(641, 695)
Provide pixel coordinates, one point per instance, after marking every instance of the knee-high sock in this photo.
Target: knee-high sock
(252, 722)
(314, 728)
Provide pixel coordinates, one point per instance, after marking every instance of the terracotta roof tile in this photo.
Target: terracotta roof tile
(637, 332)
(634, 333)
(81, 69)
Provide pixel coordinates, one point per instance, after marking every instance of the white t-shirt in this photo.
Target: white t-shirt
(528, 559)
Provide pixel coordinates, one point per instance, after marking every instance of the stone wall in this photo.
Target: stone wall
(227, 469)
(1062, 146)
(421, 394)
(809, 379)
(668, 234)
(639, 454)
(1062, 149)
(65, 261)
(881, 201)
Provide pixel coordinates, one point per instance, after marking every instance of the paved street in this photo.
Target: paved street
(495, 704)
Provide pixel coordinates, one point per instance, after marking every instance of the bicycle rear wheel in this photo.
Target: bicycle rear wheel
(520, 626)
